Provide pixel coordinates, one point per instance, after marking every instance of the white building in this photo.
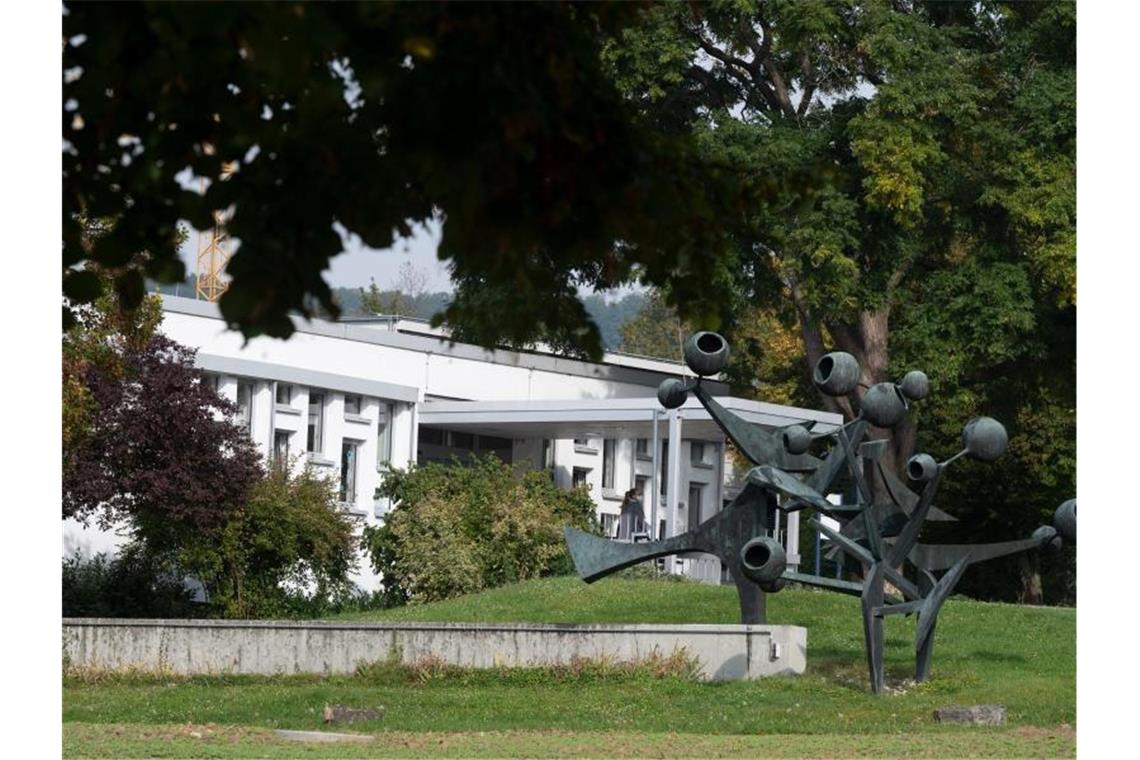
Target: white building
(357, 397)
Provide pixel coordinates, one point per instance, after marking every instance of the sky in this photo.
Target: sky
(359, 264)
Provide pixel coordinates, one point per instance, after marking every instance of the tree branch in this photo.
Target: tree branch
(809, 83)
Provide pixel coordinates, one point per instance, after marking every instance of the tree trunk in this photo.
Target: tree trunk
(1027, 566)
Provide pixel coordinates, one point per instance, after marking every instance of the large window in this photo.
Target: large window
(384, 436)
(348, 456)
(695, 492)
(284, 394)
(641, 447)
(315, 441)
(609, 525)
(281, 447)
(609, 454)
(580, 477)
(245, 404)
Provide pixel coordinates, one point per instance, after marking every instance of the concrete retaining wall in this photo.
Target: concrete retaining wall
(726, 652)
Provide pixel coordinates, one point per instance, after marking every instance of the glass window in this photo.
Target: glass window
(432, 436)
(695, 491)
(281, 446)
(463, 440)
(663, 475)
(245, 405)
(641, 485)
(580, 476)
(609, 525)
(609, 448)
(348, 451)
(581, 441)
(547, 454)
(352, 404)
(697, 452)
(315, 442)
(384, 435)
(493, 443)
(641, 447)
(284, 394)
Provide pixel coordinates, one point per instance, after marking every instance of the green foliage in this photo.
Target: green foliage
(287, 553)
(129, 584)
(655, 330)
(457, 529)
(344, 116)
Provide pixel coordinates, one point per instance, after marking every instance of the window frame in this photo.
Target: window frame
(315, 434)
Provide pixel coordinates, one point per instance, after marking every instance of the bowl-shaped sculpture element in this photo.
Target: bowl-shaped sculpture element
(836, 374)
(763, 560)
(671, 393)
(1050, 541)
(1065, 520)
(921, 468)
(797, 439)
(985, 438)
(883, 405)
(706, 353)
(773, 586)
(915, 385)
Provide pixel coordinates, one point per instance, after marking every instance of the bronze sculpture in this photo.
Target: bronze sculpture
(882, 536)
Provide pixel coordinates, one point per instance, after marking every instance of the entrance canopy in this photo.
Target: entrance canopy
(605, 417)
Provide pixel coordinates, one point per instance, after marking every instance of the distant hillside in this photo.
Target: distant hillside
(609, 316)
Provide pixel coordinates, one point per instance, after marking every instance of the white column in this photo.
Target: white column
(793, 541)
(673, 473)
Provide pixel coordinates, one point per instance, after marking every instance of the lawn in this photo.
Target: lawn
(1023, 658)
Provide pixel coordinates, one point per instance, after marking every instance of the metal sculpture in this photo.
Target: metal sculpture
(879, 529)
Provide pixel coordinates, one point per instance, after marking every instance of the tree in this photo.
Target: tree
(162, 455)
(410, 287)
(921, 160)
(342, 119)
(655, 330)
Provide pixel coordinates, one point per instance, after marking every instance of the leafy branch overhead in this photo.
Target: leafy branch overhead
(366, 119)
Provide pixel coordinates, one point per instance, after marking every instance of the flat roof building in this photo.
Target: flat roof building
(358, 397)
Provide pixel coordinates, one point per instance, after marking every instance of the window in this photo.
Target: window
(580, 476)
(351, 403)
(581, 443)
(281, 447)
(348, 452)
(663, 476)
(384, 436)
(315, 442)
(609, 447)
(463, 440)
(547, 454)
(284, 394)
(695, 491)
(641, 485)
(433, 436)
(493, 443)
(609, 525)
(641, 447)
(696, 452)
(245, 405)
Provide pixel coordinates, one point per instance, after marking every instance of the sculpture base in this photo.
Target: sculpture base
(724, 652)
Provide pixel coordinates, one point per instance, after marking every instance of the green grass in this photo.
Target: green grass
(1023, 658)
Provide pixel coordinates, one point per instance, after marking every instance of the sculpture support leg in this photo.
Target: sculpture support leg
(873, 626)
(923, 652)
(753, 605)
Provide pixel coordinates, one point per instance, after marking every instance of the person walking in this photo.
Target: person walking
(632, 519)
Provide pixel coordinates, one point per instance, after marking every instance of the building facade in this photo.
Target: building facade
(357, 398)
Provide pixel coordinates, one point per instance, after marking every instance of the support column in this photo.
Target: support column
(793, 541)
(673, 476)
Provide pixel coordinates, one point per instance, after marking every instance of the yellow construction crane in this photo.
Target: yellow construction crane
(214, 250)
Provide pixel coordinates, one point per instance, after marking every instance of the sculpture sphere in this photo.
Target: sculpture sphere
(985, 438)
(706, 353)
(915, 385)
(1050, 541)
(1065, 520)
(921, 468)
(883, 405)
(797, 439)
(836, 374)
(763, 560)
(671, 393)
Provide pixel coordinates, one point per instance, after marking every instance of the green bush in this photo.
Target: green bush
(130, 584)
(457, 529)
(287, 553)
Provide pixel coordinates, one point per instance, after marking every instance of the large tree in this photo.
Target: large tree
(920, 158)
(364, 119)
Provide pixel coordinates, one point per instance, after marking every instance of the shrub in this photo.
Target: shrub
(458, 529)
(287, 552)
(130, 584)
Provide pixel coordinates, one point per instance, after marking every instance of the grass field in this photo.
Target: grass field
(1023, 658)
